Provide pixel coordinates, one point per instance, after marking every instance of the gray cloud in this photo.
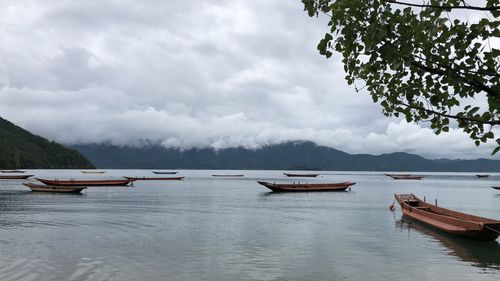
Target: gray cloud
(190, 73)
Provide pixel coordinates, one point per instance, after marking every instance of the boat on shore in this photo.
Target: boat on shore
(406, 177)
(453, 222)
(482, 176)
(301, 175)
(54, 188)
(307, 187)
(228, 175)
(12, 171)
(154, 178)
(164, 173)
(15, 177)
(93, 172)
(72, 182)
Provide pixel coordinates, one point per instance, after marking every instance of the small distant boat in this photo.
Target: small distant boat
(482, 176)
(154, 179)
(406, 177)
(164, 173)
(54, 188)
(228, 176)
(93, 172)
(15, 177)
(12, 171)
(301, 175)
(496, 187)
(453, 222)
(397, 175)
(304, 187)
(73, 182)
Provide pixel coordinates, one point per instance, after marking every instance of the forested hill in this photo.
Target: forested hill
(20, 149)
(291, 155)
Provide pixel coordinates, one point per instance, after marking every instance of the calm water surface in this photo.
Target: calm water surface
(206, 228)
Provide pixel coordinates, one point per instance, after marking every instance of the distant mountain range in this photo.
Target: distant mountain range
(20, 149)
(297, 155)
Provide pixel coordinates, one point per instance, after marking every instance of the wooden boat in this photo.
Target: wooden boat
(406, 177)
(496, 187)
(397, 175)
(301, 175)
(482, 176)
(93, 172)
(154, 179)
(54, 188)
(73, 182)
(15, 177)
(453, 222)
(304, 187)
(12, 171)
(164, 173)
(228, 176)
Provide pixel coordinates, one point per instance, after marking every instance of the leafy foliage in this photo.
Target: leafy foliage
(19, 149)
(423, 60)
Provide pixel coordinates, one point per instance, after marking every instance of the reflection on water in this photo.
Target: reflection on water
(483, 254)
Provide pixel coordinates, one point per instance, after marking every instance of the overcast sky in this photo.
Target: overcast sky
(191, 73)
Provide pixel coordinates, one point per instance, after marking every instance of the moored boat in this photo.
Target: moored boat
(164, 173)
(73, 182)
(228, 175)
(482, 176)
(397, 175)
(301, 175)
(15, 177)
(461, 224)
(93, 172)
(12, 171)
(54, 188)
(305, 187)
(155, 178)
(406, 177)
(496, 187)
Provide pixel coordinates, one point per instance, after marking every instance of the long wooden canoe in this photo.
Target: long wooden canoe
(397, 175)
(54, 188)
(12, 171)
(406, 177)
(164, 173)
(228, 175)
(301, 175)
(93, 172)
(496, 187)
(73, 182)
(453, 222)
(482, 176)
(304, 187)
(154, 178)
(15, 177)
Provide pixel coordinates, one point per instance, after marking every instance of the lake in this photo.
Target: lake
(206, 228)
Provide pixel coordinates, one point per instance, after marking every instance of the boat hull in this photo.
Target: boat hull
(342, 186)
(164, 173)
(15, 177)
(456, 223)
(52, 188)
(85, 182)
(154, 179)
(92, 172)
(301, 175)
(496, 187)
(405, 177)
(228, 176)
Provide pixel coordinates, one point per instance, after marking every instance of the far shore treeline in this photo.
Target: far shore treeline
(20, 149)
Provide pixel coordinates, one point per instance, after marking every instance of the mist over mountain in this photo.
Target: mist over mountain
(299, 155)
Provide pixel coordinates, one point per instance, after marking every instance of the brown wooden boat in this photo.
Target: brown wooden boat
(397, 175)
(304, 187)
(164, 173)
(93, 172)
(301, 175)
(54, 188)
(406, 177)
(12, 171)
(482, 176)
(228, 176)
(496, 187)
(453, 222)
(154, 178)
(15, 177)
(73, 182)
